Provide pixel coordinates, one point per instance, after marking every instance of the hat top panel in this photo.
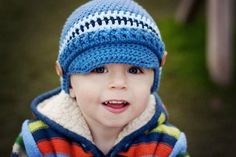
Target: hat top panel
(97, 7)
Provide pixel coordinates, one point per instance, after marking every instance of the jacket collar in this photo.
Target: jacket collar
(62, 113)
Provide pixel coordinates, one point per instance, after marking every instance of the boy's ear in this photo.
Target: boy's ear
(71, 92)
(163, 60)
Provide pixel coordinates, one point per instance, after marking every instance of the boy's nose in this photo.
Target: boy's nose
(118, 81)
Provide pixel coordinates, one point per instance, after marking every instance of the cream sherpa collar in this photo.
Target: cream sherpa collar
(63, 110)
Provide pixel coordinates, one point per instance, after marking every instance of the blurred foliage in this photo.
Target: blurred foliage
(30, 32)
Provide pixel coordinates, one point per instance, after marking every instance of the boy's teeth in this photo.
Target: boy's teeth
(115, 102)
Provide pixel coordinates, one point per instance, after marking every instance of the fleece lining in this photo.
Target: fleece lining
(65, 111)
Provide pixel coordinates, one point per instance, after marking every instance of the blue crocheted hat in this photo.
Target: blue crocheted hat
(109, 31)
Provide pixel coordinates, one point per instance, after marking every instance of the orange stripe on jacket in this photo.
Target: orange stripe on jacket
(144, 149)
(78, 151)
(58, 145)
(55, 145)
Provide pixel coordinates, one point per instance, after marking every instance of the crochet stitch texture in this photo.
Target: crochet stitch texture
(109, 31)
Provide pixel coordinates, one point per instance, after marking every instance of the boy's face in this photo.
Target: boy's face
(112, 95)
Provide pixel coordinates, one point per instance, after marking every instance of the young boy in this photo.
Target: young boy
(110, 59)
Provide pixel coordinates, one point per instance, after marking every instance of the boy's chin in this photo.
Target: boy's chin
(114, 125)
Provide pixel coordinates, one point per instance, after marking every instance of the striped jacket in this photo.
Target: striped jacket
(52, 135)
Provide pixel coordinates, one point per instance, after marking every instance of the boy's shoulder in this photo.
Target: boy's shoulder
(39, 139)
(28, 128)
(162, 140)
(165, 128)
(168, 137)
(39, 131)
(166, 133)
(34, 137)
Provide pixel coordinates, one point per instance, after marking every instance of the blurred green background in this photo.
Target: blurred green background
(30, 31)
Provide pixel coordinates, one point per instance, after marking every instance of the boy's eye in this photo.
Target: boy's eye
(99, 70)
(135, 70)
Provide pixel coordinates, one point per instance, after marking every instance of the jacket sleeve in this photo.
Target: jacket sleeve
(18, 149)
(25, 144)
(180, 148)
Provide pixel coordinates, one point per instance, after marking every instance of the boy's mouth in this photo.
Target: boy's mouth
(116, 106)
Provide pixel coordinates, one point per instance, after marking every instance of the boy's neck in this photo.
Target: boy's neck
(104, 138)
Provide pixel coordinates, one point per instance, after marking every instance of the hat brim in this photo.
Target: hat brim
(132, 54)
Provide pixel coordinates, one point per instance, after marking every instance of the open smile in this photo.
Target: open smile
(116, 106)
